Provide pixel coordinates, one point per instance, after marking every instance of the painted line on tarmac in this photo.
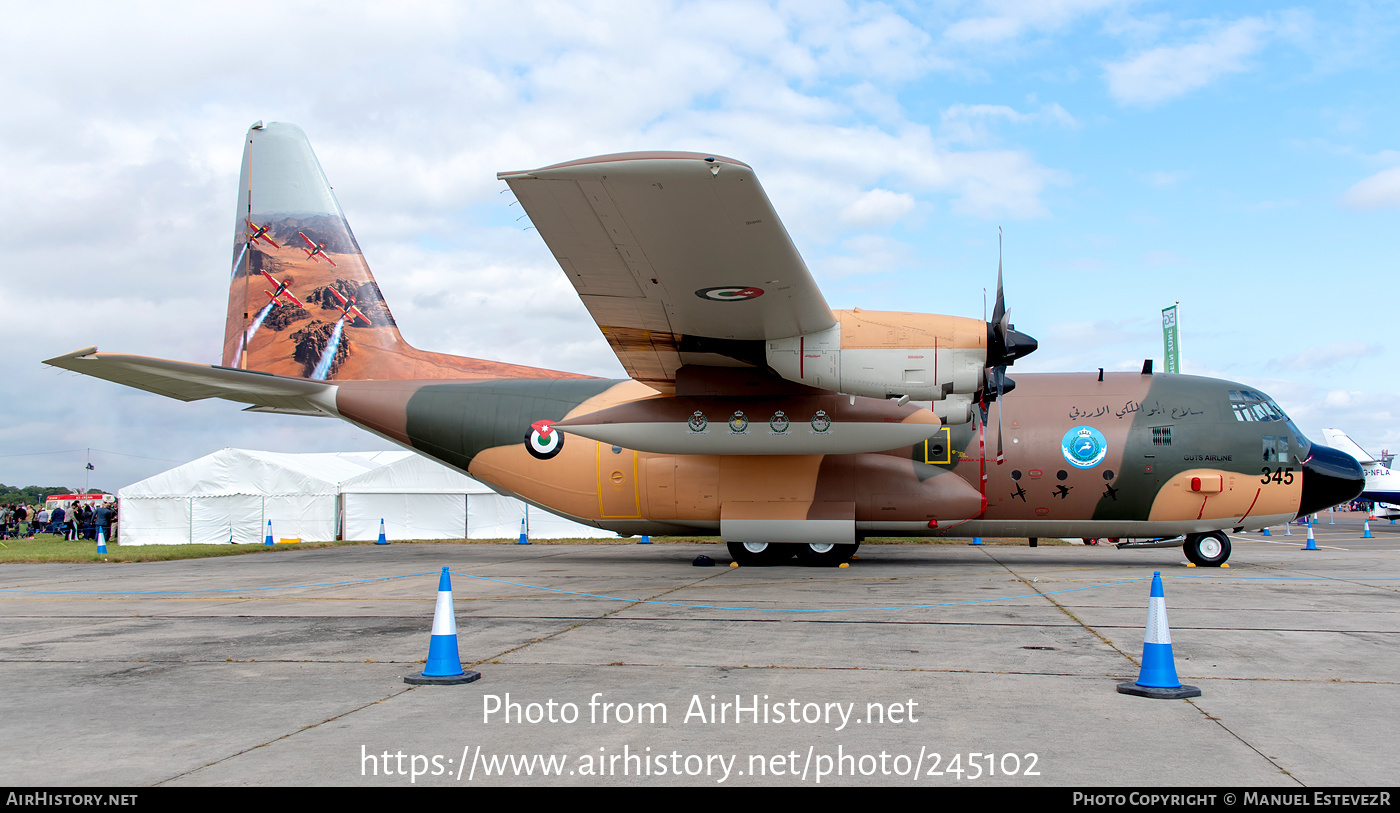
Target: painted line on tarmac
(793, 609)
(605, 597)
(1296, 545)
(227, 590)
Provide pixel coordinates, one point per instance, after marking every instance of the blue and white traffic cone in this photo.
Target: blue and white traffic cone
(381, 540)
(1367, 535)
(523, 540)
(645, 540)
(1312, 541)
(444, 666)
(1266, 532)
(267, 540)
(976, 540)
(1158, 675)
(101, 541)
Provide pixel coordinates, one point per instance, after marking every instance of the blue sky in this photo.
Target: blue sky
(1241, 159)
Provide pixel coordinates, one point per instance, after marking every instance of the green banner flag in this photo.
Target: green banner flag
(1171, 342)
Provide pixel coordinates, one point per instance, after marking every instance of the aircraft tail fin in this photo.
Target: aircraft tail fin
(1338, 439)
(302, 301)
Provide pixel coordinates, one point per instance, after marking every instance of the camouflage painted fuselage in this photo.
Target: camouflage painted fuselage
(1170, 456)
(732, 422)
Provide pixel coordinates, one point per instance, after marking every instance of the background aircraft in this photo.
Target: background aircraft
(754, 410)
(1382, 483)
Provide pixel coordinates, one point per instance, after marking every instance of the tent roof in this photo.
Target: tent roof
(245, 471)
(412, 474)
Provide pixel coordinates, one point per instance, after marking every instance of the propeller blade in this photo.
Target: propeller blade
(1001, 407)
(999, 310)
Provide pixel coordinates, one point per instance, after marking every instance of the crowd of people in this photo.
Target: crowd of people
(73, 521)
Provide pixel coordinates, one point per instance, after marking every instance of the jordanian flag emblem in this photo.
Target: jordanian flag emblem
(543, 441)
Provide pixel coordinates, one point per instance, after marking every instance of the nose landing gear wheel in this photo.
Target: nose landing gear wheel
(825, 554)
(1207, 550)
(759, 554)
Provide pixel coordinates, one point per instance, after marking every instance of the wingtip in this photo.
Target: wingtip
(76, 354)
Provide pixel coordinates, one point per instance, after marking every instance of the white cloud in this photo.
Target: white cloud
(1167, 72)
(1164, 179)
(969, 123)
(1009, 19)
(1330, 355)
(866, 254)
(1380, 191)
(878, 207)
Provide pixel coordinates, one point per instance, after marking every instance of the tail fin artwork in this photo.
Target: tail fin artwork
(302, 301)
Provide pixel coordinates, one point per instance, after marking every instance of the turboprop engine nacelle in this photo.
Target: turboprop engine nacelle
(883, 354)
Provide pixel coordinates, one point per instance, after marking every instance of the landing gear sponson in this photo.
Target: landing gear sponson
(817, 554)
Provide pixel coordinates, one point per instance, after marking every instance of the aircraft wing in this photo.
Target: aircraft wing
(195, 382)
(679, 257)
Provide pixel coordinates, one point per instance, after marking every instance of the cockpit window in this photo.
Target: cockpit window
(1249, 405)
(1255, 406)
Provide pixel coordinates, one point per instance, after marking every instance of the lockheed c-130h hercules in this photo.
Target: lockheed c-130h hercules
(753, 410)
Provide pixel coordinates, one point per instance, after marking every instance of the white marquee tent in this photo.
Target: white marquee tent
(230, 495)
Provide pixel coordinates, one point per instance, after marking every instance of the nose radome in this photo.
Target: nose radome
(1330, 477)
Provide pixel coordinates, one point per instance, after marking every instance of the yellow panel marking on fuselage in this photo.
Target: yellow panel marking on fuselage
(636, 492)
(947, 448)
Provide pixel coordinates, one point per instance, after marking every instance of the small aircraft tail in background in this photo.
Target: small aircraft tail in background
(1382, 484)
(1338, 439)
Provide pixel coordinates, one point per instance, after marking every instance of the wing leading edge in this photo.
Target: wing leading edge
(679, 257)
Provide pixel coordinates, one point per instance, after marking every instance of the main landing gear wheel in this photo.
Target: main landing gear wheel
(759, 554)
(1207, 550)
(825, 554)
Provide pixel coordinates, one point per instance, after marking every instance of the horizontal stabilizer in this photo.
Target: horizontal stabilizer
(196, 382)
(1338, 439)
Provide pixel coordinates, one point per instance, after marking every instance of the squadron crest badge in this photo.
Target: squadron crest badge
(1084, 447)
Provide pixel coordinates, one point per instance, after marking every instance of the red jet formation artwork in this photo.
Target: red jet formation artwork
(256, 232)
(316, 250)
(347, 307)
(281, 289)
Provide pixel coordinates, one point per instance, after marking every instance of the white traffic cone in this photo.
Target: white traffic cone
(444, 666)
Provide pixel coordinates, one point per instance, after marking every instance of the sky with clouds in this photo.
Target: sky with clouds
(1242, 159)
